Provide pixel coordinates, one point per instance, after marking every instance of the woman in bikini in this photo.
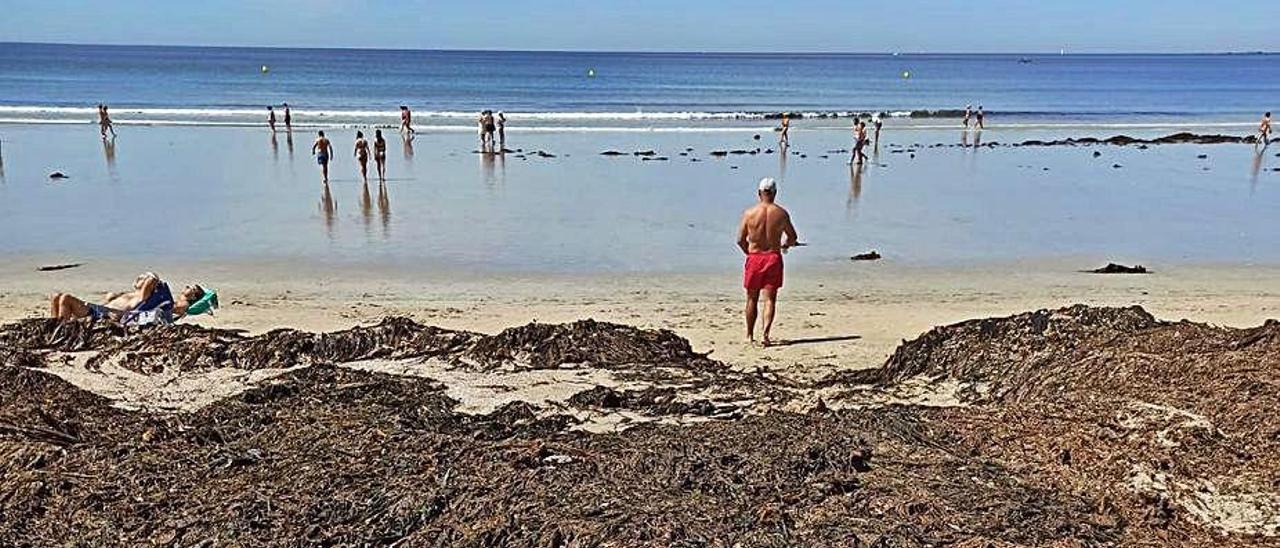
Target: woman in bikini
(362, 156)
(380, 154)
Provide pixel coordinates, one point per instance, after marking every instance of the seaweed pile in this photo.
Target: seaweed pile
(1086, 427)
(331, 456)
(190, 347)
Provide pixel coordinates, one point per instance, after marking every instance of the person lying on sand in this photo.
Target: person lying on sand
(149, 293)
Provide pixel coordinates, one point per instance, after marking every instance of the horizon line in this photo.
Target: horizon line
(653, 52)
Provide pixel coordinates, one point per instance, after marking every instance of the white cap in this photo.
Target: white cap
(767, 184)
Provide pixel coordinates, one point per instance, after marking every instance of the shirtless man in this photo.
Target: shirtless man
(271, 118)
(859, 142)
(288, 118)
(980, 117)
(380, 154)
(1264, 129)
(148, 291)
(502, 131)
(968, 112)
(104, 122)
(323, 151)
(406, 122)
(879, 124)
(362, 156)
(760, 236)
(784, 138)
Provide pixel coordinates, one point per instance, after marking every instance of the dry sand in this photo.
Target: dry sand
(840, 317)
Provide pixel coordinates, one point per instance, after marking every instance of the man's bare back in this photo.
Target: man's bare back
(764, 226)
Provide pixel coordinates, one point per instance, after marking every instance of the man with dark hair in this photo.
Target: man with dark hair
(760, 237)
(323, 150)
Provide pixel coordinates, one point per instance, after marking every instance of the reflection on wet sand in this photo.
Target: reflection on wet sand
(782, 164)
(855, 185)
(1257, 167)
(366, 207)
(328, 209)
(1, 161)
(109, 151)
(275, 148)
(288, 141)
(384, 209)
(486, 167)
(408, 150)
(964, 138)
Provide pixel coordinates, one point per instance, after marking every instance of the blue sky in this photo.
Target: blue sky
(660, 25)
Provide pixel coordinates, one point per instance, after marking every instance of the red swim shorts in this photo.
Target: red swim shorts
(763, 271)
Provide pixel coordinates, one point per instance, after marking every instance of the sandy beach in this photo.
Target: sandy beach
(864, 309)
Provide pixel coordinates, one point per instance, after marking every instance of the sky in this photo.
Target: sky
(1025, 26)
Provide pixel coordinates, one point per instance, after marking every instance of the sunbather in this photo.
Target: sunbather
(149, 293)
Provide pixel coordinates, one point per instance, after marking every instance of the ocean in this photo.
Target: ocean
(194, 172)
(46, 83)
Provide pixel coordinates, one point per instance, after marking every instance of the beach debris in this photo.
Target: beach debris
(1080, 426)
(1116, 166)
(756, 137)
(654, 158)
(58, 175)
(1113, 268)
(719, 153)
(612, 153)
(1096, 154)
(544, 154)
(645, 153)
(54, 267)
(872, 255)
(1202, 156)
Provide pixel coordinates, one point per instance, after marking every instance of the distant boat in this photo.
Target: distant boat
(1024, 60)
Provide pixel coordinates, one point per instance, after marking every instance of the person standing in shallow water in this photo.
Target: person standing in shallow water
(1264, 129)
(380, 154)
(362, 156)
(980, 118)
(761, 238)
(502, 132)
(784, 131)
(968, 113)
(323, 150)
(104, 122)
(271, 118)
(288, 118)
(406, 122)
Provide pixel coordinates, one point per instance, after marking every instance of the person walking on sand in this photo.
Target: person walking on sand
(878, 123)
(288, 118)
(859, 143)
(980, 117)
(362, 156)
(406, 122)
(104, 122)
(323, 151)
(271, 118)
(380, 154)
(784, 129)
(968, 111)
(1264, 130)
(502, 131)
(760, 237)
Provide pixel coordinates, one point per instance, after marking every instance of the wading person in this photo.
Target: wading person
(362, 156)
(323, 151)
(761, 238)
